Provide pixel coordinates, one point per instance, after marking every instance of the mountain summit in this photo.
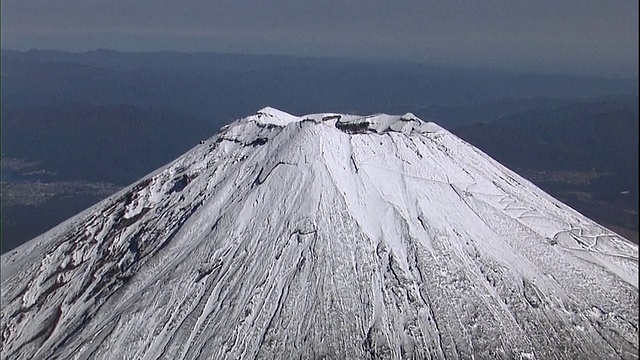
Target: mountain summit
(324, 236)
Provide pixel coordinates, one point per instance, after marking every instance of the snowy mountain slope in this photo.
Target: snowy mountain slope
(327, 235)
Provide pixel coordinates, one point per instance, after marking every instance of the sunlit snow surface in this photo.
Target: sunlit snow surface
(324, 236)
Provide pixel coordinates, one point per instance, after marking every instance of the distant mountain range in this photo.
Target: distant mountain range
(225, 86)
(597, 135)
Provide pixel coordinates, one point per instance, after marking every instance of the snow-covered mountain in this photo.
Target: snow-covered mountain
(324, 236)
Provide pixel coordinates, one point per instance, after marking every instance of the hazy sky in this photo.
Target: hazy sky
(562, 36)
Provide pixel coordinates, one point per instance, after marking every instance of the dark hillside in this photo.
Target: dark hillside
(108, 143)
(585, 154)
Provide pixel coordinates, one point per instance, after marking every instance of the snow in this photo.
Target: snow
(269, 115)
(324, 235)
